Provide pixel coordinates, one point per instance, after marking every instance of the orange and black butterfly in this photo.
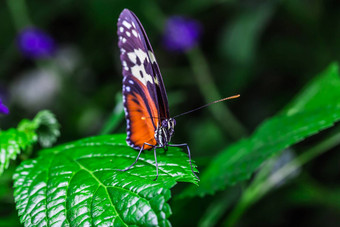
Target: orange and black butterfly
(149, 125)
(145, 101)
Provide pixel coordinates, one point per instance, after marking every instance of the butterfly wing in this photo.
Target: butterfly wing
(144, 97)
(160, 88)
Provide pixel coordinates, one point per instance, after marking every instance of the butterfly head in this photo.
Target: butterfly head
(165, 131)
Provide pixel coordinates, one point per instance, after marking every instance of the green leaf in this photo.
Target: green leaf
(307, 115)
(78, 184)
(12, 142)
(240, 38)
(44, 127)
(48, 128)
(322, 90)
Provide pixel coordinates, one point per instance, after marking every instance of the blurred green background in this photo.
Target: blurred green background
(264, 50)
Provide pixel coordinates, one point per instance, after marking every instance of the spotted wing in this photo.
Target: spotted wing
(159, 84)
(143, 102)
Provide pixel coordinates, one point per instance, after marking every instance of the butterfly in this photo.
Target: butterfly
(149, 125)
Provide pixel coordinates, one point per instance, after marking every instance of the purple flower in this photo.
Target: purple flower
(3, 108)
(35, 43)
(181, 34)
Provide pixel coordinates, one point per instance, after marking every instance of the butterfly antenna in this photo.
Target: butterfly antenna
(221, 100)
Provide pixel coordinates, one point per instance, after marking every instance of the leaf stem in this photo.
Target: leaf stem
(259, 188)
(210, 92)
(115, 118)
(218, 206)
(18, 9)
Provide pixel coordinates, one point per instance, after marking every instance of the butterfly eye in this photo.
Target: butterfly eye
(164, 123)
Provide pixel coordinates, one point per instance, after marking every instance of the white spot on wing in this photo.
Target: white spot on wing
(136, 70)
(153, 60)
(152, 57)
(133, 24)
(126, 24)
(124, 40)
(131, 82)
(133, 57)
(128, 33)
(128, 88)
(134, 33)
(156, 80)
(121, 29)
(126, 68)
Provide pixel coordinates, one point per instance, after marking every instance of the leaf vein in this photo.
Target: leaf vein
(101, 184)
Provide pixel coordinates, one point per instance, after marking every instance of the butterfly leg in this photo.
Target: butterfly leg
(140, 151)
(155, 154)
(189, 155)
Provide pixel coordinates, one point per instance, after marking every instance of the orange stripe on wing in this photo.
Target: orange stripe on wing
(141, 123)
